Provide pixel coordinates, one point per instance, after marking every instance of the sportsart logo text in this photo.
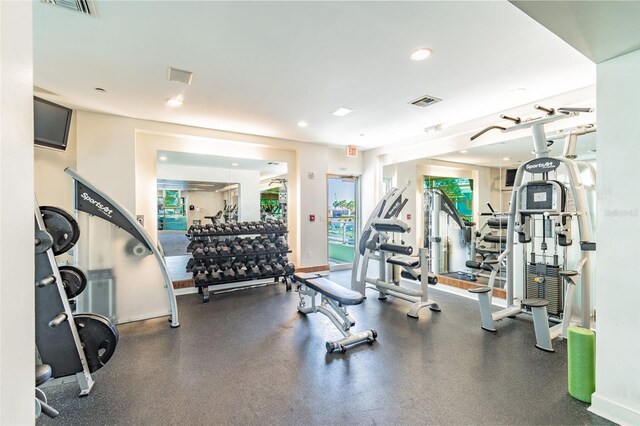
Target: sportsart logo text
(104, 209)
(542, 165)
(548, 164)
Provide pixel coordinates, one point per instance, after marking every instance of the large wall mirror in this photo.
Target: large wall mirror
(199, 189)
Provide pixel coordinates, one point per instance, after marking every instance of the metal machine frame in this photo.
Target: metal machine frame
(542, 164)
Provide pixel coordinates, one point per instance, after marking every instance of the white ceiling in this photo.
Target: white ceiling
(190, 185)
(260, 67)
(600, 30)
(267, 169)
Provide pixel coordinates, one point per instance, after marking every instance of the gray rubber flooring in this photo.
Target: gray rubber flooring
(249, 358)
(174, 243)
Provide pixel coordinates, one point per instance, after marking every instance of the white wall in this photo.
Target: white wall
(205, 203)
(617, 394)
(17, 324)
(249, 181)
(118, 155)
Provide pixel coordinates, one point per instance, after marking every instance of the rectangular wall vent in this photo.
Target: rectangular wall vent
(425, 101)
(86, 7)
(180, 76)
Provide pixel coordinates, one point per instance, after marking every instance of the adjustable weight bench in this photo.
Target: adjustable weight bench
(333, 301)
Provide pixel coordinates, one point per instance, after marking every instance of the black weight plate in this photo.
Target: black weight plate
(62, 227)
(99, 338)
(74, 280)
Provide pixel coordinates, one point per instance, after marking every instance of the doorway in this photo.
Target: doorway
(342, 220)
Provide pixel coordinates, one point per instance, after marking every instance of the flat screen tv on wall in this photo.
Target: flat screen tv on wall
(51, 124)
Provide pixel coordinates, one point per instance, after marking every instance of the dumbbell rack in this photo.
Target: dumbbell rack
(210, 235)
(57, 339)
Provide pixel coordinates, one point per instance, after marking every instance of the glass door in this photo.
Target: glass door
(342, 220)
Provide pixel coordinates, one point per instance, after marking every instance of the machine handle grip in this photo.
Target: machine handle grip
(58, 319)
(396, 248)
(549, 111)
(570, 109)
(514, 119)
(485, 130)
(490, 208)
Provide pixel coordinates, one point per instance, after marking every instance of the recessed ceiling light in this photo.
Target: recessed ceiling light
(163, 158)
(234, 164)
(421, 53)
(506, 158)
(302, 124)
(464, 151)
(175, 102)
(272, 163)
(361, 134)
(342, 111)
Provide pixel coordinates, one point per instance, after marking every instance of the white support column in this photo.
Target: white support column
(617, 395)
(17, 335)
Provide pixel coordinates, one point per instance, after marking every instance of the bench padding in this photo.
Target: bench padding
(406, 261)
(330, 289)
(500, 222)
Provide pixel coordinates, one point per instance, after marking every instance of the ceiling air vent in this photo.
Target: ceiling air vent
(180, 76)
(83, 6)
(425, 101)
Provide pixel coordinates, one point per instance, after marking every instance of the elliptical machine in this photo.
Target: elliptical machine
(542, 213)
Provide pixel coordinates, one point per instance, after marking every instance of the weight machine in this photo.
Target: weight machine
(542, 213)
(376, 244)
(439, 211)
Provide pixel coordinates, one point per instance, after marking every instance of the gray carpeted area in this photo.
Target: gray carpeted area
(249, 358)
(174, 243)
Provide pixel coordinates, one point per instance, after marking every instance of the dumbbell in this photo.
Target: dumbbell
(190, 264)
(199, 252)
(244, 228)
(260, 227)
(200, 279)
(289, 268)
(215, 277)
(255, 271)
(261, 260)
(213, 268)
(241, 273)
(277, 269)
(258, 248)
(266, 270)
(268, 227)
(250, 264)
(247, 248)
(236, 249)
(229, 274)
(225, 265)
(223, 250)
(270, 248)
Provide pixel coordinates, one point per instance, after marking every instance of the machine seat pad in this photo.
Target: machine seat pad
(330, 289)
(535, 303)
(500, 222)
(477, 265)
(497, 239)
(479, 289)
(406, 261)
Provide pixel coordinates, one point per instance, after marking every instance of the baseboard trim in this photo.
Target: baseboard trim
(611, 410)
(465, 285)
(183, 284)
(320, 268)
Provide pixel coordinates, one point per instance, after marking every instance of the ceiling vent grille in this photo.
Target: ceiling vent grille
(425, 101)
(180, 76)
(86, 7)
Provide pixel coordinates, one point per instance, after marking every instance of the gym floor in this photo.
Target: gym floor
(250, 358)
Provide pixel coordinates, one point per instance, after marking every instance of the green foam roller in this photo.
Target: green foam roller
(581, 351)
